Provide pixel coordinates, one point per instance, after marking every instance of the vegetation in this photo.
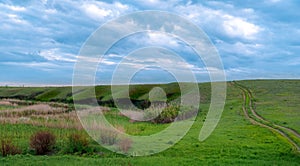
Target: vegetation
(277, 101)
(236, 140)
(42, 142)
(7, 148)
(78, 143)
(125, 144)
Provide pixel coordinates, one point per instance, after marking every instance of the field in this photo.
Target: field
(259, 126)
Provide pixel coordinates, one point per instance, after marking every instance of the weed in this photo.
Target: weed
(108, 136)
(42, 142)
(77, 143)
(125, 144)
(7, 148)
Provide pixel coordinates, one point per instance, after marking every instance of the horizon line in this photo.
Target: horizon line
(20, 85)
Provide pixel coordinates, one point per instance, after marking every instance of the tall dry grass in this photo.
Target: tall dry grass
(53, 115)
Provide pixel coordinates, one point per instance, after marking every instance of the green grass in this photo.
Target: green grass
(234, 141)
(277, 101)
(152, 160)
(103, 93)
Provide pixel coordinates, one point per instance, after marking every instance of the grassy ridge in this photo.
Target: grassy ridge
(37, 93)
(103, 93)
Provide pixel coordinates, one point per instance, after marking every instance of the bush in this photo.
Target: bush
(168, 114)
(7, 148)
(77, 143)
(187, 112)
(108, 136)
(42, 142)
(124, 144)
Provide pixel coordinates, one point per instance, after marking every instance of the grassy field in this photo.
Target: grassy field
(277, 101)
(235, 140)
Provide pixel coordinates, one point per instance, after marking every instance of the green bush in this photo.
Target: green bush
(77, 144)
(170, 113)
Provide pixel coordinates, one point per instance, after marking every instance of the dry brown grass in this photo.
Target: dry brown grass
(125, 144)
(55, 115)
(6, 103)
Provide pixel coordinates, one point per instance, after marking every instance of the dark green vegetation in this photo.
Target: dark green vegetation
(138, 93)
(236, 139)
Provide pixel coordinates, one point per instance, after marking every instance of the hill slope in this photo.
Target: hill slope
(236, 140)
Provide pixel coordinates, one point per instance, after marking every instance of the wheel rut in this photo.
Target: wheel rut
(256, 119)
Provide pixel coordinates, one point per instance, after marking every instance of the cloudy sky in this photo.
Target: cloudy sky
(40, 40)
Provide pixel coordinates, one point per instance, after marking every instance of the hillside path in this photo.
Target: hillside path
(256, 119)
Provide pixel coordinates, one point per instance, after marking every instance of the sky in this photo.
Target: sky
(40, 40)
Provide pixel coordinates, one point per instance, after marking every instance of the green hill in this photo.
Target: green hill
(259, 126)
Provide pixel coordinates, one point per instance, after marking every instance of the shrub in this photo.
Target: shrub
(168, 114)
(7, 148)
(153, 112)
(77, 143)
(187, 112)
(124, 144)
(108, 136)
(42, 142)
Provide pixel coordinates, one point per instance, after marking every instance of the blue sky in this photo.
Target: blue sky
(40, 40)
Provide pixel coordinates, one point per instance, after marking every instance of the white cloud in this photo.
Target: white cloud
(100, 11)
(151, 58)
(158, 4)
(13, 8)
(221, 21)
(15, 19)
(121, 6)
(51, 11)
(161, 39)
(107, 62)
(237, 27)
(37, 65)
(238, 70)
(56, 55)
(114, 56)
(239, 48)
(273, 1)
(96, 12)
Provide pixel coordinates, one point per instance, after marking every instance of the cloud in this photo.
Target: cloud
(161, 39)
(100, 11)
(240, 48)
(252, 35)
(95, 12)
(221, 21)
(273, 1)
(50, 32)
(156, 4)
(107, 62)
(237, 27)
(56, 55)
(43, 65)
(13, 8)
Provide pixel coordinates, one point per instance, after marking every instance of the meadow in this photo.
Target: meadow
(236, 140)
